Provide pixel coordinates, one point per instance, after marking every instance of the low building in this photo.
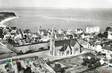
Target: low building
(85, 36)
(109, 35)
(94, 29)
(79, 31)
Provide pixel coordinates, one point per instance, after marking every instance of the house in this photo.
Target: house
(60, 31)
(109, 35)
(43, 32)
(69, 34)
(94, 29)
(98, 47)
(78, 31)
(85, 35)
(59, 36)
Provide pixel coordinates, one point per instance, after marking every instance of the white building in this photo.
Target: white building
(109, 35)
(78, 31)
(94, 29)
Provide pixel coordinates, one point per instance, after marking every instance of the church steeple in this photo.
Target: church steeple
(52, 43)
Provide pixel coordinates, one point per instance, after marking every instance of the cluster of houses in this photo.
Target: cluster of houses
(62, 42)
(81, 40)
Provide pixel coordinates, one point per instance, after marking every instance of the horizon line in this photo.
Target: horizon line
(54, 8)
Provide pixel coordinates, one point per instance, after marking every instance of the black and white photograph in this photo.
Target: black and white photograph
(55, 36)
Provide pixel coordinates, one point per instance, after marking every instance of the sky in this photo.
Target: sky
(57, 3)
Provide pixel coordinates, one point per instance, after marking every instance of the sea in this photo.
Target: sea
(47, 18)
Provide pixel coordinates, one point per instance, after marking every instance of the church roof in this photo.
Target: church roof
(71, 42)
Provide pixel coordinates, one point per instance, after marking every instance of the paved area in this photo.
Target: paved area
(105, 69)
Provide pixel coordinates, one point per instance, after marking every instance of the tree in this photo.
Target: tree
(105, 34)
(59, 69)
(108, 28)
(100, 35)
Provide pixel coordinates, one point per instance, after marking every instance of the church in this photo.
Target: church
(65, 47)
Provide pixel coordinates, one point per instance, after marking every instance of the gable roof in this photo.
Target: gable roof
(71, 42)
(64, 44)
